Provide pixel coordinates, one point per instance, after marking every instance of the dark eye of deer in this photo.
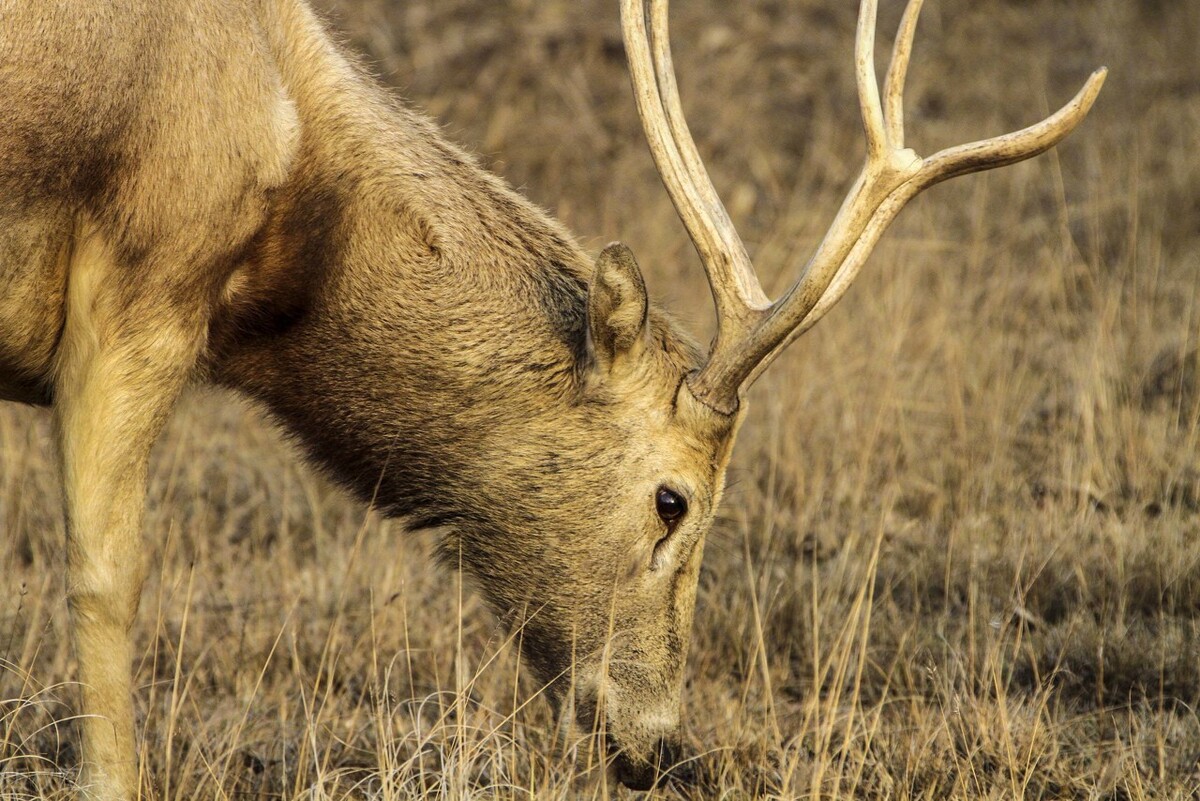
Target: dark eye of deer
(670, 505)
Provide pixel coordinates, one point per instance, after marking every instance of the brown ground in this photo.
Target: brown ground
(960, 556)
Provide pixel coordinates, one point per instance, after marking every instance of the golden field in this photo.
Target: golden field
(959, 556)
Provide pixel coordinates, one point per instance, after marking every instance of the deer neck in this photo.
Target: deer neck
(400, 309)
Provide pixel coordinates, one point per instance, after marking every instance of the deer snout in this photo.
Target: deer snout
(641, 731)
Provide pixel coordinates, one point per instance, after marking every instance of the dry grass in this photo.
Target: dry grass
(960, 556)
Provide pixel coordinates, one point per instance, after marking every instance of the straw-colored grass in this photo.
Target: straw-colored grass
(960, 553)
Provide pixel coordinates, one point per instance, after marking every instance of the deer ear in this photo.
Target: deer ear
(617, 307)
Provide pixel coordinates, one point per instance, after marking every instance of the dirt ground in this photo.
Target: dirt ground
(960, 553)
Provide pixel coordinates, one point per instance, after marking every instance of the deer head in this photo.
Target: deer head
(687, 412)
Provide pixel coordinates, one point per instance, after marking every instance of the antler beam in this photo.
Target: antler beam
(739, 298)
(751, 330)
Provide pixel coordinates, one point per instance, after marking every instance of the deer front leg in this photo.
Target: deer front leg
(124, 356)
(104, 482)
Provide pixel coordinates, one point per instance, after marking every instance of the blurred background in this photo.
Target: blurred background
(960, 551)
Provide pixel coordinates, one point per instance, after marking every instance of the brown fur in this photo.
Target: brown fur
(208, 190)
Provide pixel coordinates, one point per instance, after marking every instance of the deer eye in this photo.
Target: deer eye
(670, 505)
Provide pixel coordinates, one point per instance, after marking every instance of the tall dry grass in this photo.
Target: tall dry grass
(960, 554)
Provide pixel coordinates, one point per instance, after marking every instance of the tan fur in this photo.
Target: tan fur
(221, 196)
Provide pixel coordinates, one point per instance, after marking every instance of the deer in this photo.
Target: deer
(210, 192)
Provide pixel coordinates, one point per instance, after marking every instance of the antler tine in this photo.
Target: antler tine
(868, 83)
(736, 291)
(1000, 151)
(893, 85)
(891, 176)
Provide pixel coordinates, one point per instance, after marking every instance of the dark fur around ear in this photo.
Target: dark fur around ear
(617, 306)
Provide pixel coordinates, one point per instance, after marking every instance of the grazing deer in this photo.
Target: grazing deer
(207, 190)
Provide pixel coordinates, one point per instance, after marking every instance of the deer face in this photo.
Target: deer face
(600, 572)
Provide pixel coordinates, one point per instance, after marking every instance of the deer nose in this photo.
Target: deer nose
(676, 764)
(663, 764)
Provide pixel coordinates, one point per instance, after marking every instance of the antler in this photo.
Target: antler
(751, 330)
